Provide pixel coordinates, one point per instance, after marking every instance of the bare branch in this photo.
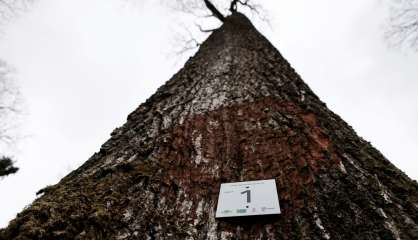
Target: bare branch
(9, 105)
(204, 30)
(214, 10)
(188, 41)
(215, 7)
(233, 6)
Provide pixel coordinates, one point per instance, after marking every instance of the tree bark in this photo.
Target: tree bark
(237, 111)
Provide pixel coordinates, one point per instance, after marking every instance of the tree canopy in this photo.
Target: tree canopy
(216, 8)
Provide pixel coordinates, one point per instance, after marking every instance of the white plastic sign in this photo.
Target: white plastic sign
(248, 199)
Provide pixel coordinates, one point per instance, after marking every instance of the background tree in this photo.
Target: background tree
(9, 94)
(403, 29)
(9, 111)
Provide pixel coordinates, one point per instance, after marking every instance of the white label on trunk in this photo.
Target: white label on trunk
(248, 199)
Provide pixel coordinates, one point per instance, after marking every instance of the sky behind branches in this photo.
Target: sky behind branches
(84, 65)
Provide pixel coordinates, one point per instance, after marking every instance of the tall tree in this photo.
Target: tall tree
(9, 101)
(9, 94)
(237, 111)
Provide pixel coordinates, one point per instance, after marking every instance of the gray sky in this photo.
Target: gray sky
(84, 65)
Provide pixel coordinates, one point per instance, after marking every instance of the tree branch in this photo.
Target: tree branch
(205, 30)
(214, 10)
(233, 6)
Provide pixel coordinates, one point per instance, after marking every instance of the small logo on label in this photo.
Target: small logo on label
(241, 210)
(263, 209)
(226, 211)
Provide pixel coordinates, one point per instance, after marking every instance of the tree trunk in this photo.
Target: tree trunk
(237, 111)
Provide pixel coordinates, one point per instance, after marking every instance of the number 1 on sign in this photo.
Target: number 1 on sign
(248, 192)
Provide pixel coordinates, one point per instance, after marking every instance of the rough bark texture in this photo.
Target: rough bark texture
(236, 111)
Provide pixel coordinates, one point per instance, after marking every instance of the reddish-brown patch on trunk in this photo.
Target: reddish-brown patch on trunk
(317, 133)
(260, 140)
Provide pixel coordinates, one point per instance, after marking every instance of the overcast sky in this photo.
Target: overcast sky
(84, 65)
